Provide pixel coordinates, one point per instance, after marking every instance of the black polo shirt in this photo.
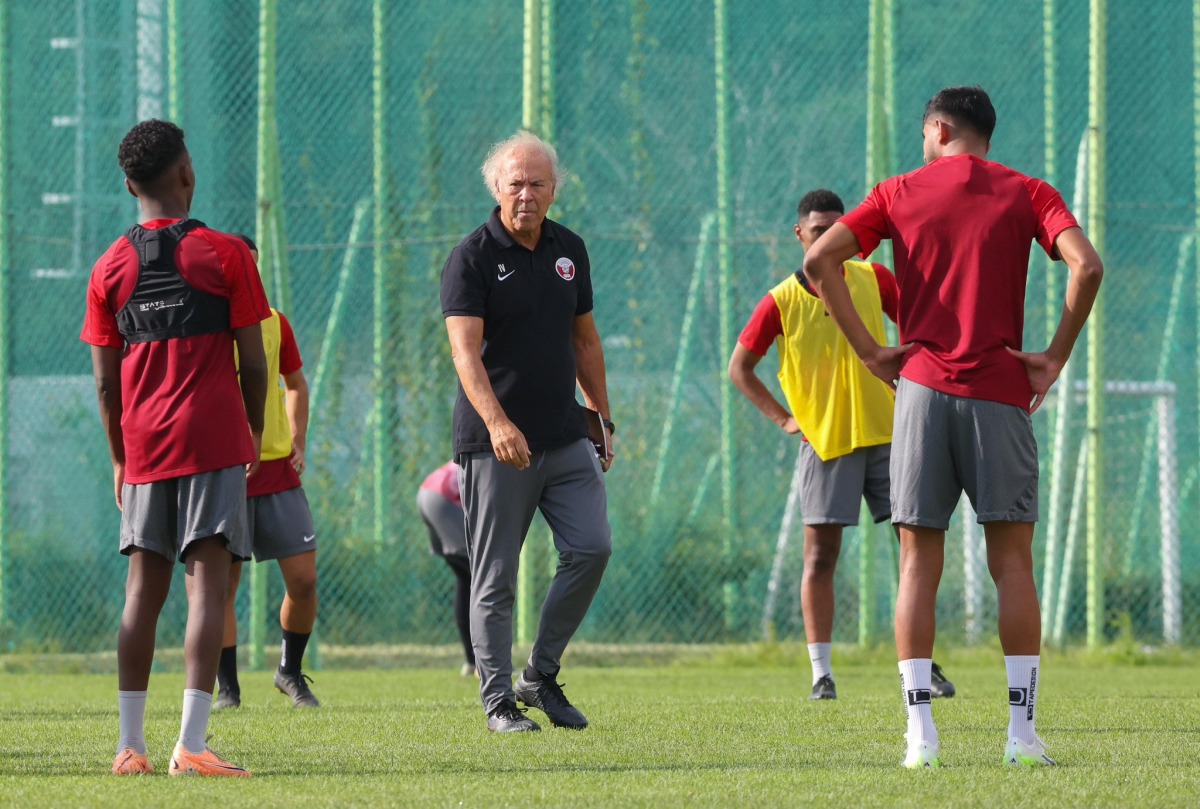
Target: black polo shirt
(528, 300)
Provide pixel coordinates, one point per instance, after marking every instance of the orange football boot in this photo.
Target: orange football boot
(208, 763)
(131, 762)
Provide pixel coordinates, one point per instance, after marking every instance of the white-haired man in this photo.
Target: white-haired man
(520, 438)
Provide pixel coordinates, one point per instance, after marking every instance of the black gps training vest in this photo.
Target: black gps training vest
(163, 306)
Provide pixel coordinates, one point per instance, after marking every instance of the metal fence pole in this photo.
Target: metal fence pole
(532, 82)
(973, 563)
(174, 75)
(880, 100)
(5, 57)
(1050, 170)
(1168, 506)
(868, 624)
(1096, 494)
(265, 218)
(725, 286)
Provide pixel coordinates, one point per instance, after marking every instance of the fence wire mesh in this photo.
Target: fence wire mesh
(345, 136)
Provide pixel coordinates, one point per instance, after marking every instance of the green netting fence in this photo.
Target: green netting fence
(346, 137)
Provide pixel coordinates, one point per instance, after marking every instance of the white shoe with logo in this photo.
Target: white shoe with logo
(922, 755)
(1019, 754)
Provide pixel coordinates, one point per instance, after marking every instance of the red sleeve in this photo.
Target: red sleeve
(1053, 216)
(247, 298)
(100, 319)
(889, 291)
(869, 221)
(289, 351)
(765, 325)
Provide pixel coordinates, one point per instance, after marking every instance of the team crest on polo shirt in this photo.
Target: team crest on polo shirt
(566, 268)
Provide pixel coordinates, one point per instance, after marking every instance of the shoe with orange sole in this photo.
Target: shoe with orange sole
(131, 762)
(208, 763)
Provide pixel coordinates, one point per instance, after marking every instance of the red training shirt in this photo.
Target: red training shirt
(273, 477)
(182, 406)
(961, 231)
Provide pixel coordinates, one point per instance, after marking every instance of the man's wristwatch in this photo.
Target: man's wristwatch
(608, 425)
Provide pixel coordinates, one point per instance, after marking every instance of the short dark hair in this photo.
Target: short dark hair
(967, 106)
(149, 149)
(820, 200)
(249, 242)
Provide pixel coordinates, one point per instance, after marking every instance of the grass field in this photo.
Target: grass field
(725, 729)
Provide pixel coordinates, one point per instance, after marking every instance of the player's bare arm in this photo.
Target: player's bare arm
(295, 397)
(822, 265)
(252, 373)
(1087, 271)
(466, 348)
(742, 374)
(589, 371)
(106, 368)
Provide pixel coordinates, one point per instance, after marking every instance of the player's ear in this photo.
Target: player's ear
(796, 230)
(187, 177)
(129, 187)
(945, 131)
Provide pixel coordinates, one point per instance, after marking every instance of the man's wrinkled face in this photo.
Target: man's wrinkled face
(525, 190)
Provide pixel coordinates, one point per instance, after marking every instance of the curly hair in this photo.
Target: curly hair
(149, 149)
(820, 200)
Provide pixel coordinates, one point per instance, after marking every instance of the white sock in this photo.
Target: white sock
(818, 653)
(131, 706)
(915, 681)
(197, 705)
(1022, 695)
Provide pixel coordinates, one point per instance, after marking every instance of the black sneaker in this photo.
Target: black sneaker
(227, 698)
(940, 686)
(824, 689)
(547, 696)
(508, 718)
(296, 687)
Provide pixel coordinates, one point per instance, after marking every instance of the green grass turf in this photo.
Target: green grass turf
(729, 730)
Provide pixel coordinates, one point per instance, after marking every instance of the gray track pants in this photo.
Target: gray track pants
(567, 484)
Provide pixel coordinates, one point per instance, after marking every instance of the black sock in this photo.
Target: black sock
(292, 655)
(533, 675)
(227, 669)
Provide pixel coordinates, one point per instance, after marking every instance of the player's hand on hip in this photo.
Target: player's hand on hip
(510, 445)
(886, 361)
(1042, 370)
(790, 426)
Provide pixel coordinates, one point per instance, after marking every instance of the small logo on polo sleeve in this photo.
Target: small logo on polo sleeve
(565, 268)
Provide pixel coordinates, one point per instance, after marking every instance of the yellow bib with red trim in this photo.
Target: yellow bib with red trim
(277, 430)
(839, 405)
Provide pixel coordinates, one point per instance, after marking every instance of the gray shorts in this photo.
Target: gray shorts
(166, 516)
(281, 524)
(943, 445)
(830, 491)
(445, 521)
